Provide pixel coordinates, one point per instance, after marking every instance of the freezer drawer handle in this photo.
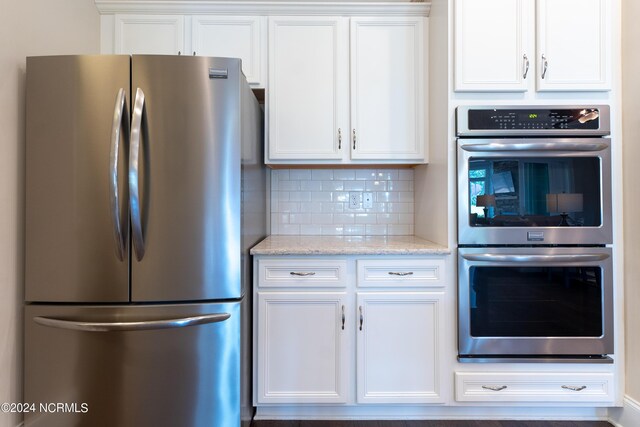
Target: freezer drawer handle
(138, 126)
(120, 122)
(78, 325)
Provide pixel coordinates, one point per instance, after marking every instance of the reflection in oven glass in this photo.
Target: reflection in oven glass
(530, 192)
(536, 301)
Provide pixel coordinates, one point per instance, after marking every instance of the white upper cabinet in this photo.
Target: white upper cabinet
(346, 90)
(506, 45)
(308, 88)
(387, 89)
(232, 37)
(492, 45)
(574, 38)
(149, 34)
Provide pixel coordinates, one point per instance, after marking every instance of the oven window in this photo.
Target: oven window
(536, 301)
(535, 192)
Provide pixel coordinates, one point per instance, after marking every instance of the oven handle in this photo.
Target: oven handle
(535, 146)
(536, 258)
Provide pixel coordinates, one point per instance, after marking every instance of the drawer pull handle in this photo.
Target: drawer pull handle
(302, 273)
(401, 273)
(574, 388)
(343, 317)
(494, 387)
(361, 317)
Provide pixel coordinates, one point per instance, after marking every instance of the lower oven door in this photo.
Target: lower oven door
(535, 302)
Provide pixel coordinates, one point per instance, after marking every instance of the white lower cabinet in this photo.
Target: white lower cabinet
(542, 387)
(360, 344)
(397, 347)
(301, 347)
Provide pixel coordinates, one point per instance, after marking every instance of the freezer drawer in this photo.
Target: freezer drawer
(127, 366)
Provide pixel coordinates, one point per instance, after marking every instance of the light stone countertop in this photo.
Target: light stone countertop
(348, 245)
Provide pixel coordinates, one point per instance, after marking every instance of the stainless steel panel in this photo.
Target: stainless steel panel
(189, 179)
(541, 346)
(469, 235)
(188, 376)
(462, 123)
(71, 254)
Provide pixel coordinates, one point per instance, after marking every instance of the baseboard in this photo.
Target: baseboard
(408, 412)
(627, 416)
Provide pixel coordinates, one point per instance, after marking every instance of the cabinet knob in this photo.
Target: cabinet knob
(545, 65)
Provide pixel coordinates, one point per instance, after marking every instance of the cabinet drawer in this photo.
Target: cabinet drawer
(302, 272)
(534, 387)
(401, 272)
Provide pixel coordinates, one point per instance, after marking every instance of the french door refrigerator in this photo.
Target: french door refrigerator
(144, 192)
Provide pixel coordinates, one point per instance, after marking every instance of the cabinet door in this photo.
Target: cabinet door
(233, 37)
(307, 101)
(301, 347)
(574, 45)
(387, 88)
(149, 34)
(398, 347)
(493, 45)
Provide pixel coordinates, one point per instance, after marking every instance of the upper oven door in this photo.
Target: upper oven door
(534, 191)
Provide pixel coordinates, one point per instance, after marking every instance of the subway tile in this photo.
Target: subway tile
(375, 185)
(311, 185)
(344, 218)
(310, 229)
(274, 225)
(288, 207)
(405, 196)
(398, 230)
(398, 186)
(332, 186)
(313, 207)
(398, 207)
(387, 174)
(344, 175)
(289, 185)
(281, 174)
(354, 230)
(321, 196)
(365, 218)
(322, 174)
(299, 218)
(283, 218)
(300, 196)
(289, 229)
(340, 196)
(354, 185)
(376, 230)
(405, 218)
(386, 196)
(365, 174)
(299, 174)
(332, 230)
(380, 207)
(405, 174)
(322, 218)
(330, 207)
(386, 218)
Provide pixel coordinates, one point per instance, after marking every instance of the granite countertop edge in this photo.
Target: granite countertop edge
(323, 245)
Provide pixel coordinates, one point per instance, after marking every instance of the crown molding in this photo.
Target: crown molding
(193, 7)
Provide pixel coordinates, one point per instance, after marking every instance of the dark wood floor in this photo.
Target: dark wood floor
(431, 423)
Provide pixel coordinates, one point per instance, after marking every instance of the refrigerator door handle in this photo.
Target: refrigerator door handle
(120, 122)
(138, 127)
(79, 325)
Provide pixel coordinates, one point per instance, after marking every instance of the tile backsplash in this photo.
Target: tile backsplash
(316, 202)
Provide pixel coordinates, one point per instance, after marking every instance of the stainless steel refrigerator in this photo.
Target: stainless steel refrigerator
(144, 191)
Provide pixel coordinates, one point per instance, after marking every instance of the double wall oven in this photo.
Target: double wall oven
(534, 230)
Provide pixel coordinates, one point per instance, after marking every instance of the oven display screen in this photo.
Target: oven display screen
(532, 119)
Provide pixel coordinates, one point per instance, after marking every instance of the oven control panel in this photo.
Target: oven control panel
(533, 120)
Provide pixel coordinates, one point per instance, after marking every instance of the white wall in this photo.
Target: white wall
(27, 28)
(631, 171)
